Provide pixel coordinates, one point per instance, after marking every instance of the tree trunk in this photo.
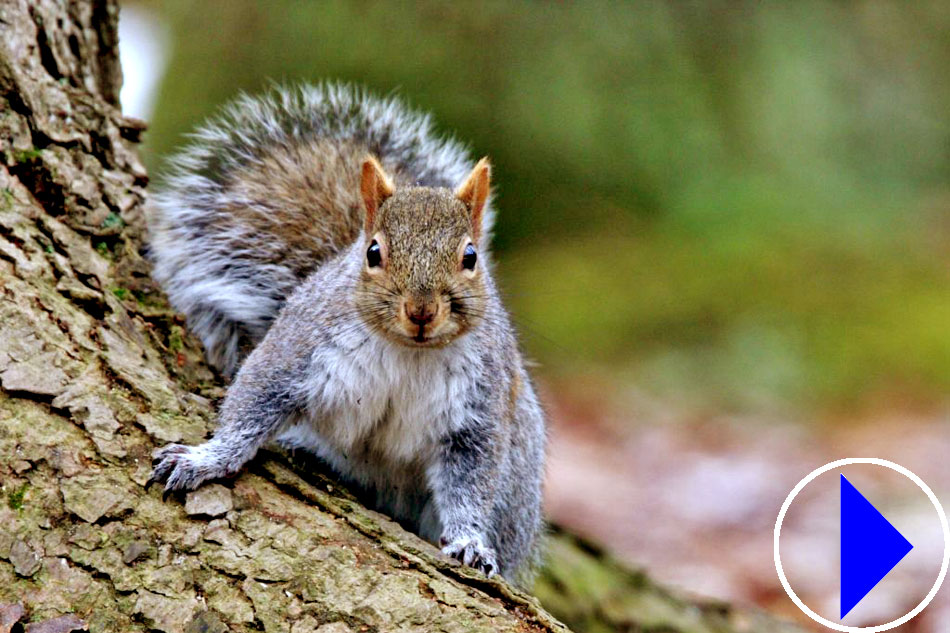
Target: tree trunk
(96, 372)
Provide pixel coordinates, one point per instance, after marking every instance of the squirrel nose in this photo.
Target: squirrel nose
(421, 313)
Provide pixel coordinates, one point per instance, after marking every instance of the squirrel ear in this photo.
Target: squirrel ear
(474, 193)
(375, 188)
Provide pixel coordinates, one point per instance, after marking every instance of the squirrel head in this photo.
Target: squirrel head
(422, 284)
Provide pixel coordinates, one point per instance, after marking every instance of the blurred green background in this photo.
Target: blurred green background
(736, 206)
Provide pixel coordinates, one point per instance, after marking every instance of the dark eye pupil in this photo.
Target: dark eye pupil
(469, 258)
(374, 255)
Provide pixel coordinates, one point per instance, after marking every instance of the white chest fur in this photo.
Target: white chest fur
(383, 401)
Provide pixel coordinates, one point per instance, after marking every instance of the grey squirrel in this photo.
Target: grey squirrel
(331, 251)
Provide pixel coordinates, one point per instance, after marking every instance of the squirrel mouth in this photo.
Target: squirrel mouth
(424, 338)
(424, 335)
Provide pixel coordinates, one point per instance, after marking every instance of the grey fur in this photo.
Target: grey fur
(447, 438)
(229, 280)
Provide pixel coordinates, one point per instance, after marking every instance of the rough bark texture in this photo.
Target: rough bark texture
(96, 371)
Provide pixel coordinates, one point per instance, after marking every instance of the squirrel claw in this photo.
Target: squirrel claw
(182, 468)
(474, 553)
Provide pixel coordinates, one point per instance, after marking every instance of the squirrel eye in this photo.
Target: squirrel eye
(469, 258)
(374, 255)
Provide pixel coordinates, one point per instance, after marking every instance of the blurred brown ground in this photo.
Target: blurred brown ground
(694, 499)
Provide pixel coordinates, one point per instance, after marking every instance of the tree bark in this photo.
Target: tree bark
(96, 371)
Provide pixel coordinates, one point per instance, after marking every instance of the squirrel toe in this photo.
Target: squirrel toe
(474, 553)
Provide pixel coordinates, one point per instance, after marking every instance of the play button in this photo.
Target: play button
(883, 570)
(870, 547)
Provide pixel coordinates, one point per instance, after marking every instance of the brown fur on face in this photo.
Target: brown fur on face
(420, 295)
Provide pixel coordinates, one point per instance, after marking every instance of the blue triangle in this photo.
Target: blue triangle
(870, 547)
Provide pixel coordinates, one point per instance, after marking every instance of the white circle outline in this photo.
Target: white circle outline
(946, 545)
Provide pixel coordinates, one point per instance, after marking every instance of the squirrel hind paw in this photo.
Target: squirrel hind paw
(474, 553)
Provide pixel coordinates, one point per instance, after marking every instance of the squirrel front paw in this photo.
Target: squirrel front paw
(182, 467)
(473, 552)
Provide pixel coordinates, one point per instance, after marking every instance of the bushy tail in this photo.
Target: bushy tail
(268, 190)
